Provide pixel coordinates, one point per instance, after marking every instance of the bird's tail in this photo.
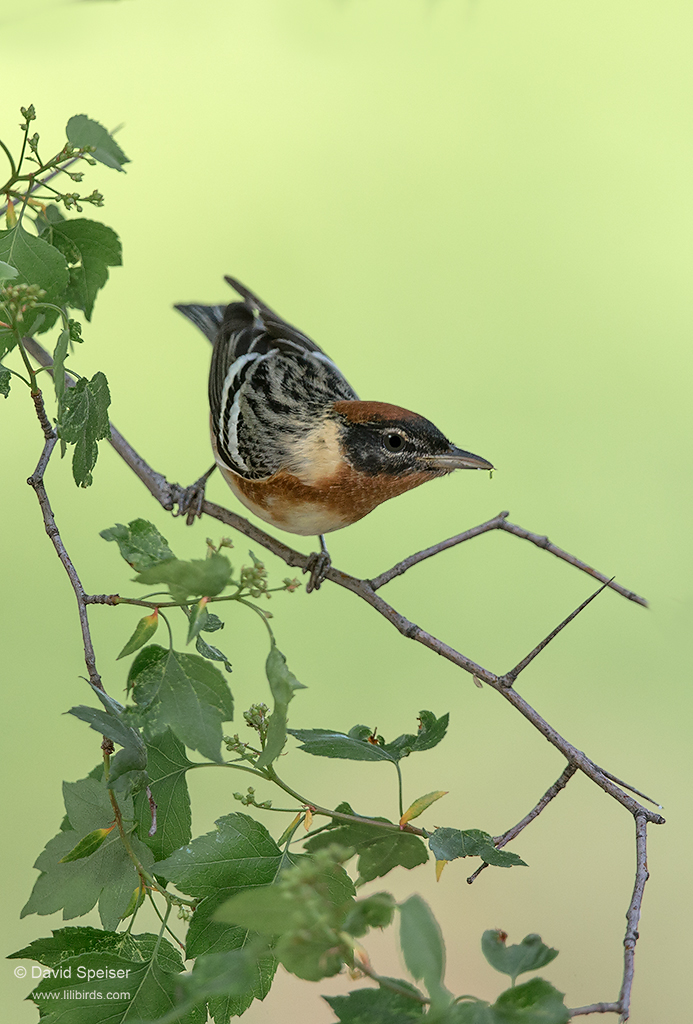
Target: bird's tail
(207, 318)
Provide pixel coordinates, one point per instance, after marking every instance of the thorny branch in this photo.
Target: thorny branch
(170, 494)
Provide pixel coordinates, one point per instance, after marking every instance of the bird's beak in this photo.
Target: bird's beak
(456, 458)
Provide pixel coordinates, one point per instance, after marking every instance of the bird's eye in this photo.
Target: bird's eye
(394, 442)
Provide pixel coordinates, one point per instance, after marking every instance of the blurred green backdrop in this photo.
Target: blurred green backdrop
(482, 210)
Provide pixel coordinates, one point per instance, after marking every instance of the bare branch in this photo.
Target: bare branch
(500, 841)
(443, 545)
(633, 915)
(545, 543)
(509, 678)
(582, 1011)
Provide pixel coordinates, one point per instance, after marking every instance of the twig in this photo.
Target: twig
(633, 915)
(512, 833)
(581, 1011)
(509, 678)
(545, 543)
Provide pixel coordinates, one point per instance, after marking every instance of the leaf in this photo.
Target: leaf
(379, 850)
(238, 854)
(535, 1002)
(108, 876)
(451, 843)
(205, 577)
(423, 949)
(230, 974)
(144, 630)
(7, 273)
(166, 768)
(420, 805)
(529, 955)
(358, 745)
(36, 262)
(83, 131)
(85, 847)
(212, 653)
(283, 683)
(375, 911)
(140, 543)
(153, 986)
(83, 422)
(5, 378)
(184, 693)
(378, 1005)
(59, 356)
(94, 247)
(112, 723)
(197, 618)
(67, 942)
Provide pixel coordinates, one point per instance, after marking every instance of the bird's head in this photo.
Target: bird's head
(378, 438)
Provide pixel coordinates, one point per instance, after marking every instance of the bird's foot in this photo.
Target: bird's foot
(318, 565)
(190, 499)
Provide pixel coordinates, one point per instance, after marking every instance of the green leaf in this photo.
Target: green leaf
(529, 955)
(535, 1002)
(230, 975)
(5, 378)
(212, 653)
(67, 942)
(140, 543)
(166, 768)
(86, 846)
(374, 911)
(153, 986)
(283, 683)
(423, 949)
(7, 273)
(111, 722)
(94, 247)
(183, 693)
(83, 422)
(378, 1005)
(83, 131)
(59, 356)
(238, 854)
(36, 262)
(379, 850)
(144, 630)
(108, 876)
(359, 745)
(205, 577)
(451, 843)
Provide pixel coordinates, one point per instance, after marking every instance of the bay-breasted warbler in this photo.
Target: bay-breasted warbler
(292, 439)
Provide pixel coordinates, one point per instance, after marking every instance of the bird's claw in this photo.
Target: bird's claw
(191, 499)
(317, 565)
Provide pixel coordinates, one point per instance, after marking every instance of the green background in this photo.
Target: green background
(482, 210)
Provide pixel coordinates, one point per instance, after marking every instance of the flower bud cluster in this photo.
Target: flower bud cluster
(18, 298)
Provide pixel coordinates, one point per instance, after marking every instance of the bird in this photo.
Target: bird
(291, 437)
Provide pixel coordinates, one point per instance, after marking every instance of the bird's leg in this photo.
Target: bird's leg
(318, 564)
(190, 499)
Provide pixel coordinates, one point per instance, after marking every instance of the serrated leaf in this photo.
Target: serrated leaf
(69, 942)
(83, 422)
(203, 577)
(166, 768)
(359, 745)
(378, 1005)
(111, 722)
(423, 949)
(534, 1002)
(217, 977)
(421, 804)
(5, 378)
(430, 733)
(529, 955)
(184, 693)
(88, 845)
(108, 876)
(36, 262)
(212, 653)
(83, 131)
(451, 843)
(283, 684)
(94, 247)
(144, 630)
(140, 543)
(379, 850)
